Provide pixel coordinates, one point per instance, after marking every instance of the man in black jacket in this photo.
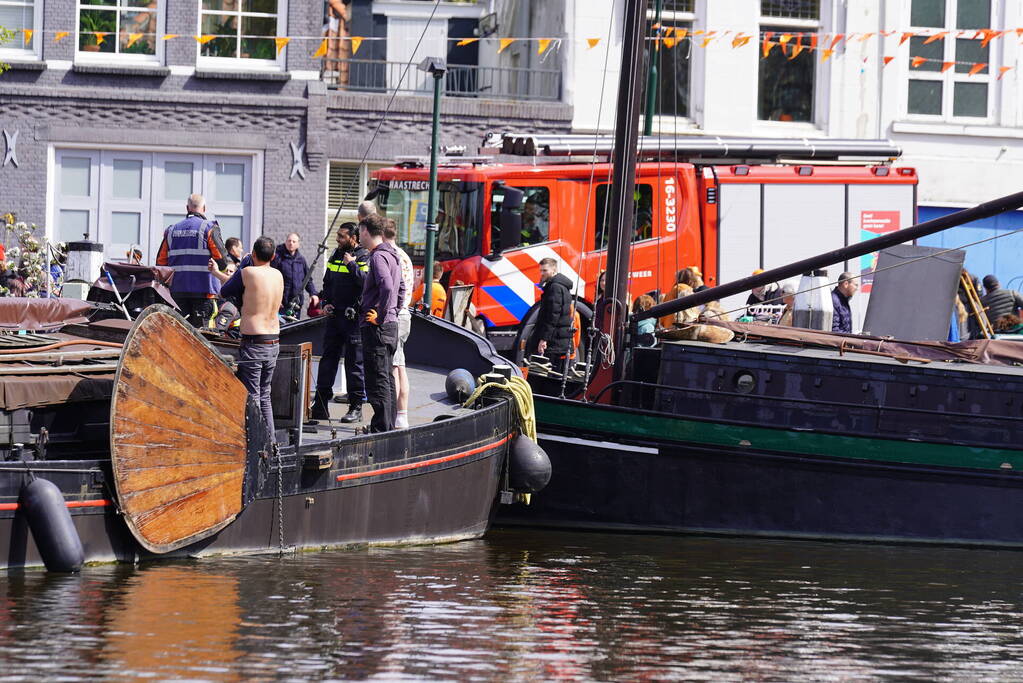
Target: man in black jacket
(552, 335)
(341, 295)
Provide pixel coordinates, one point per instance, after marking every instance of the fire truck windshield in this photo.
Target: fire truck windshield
(459, 215)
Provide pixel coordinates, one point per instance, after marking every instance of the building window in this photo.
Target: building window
(241, 30)
(672, 56)
(119, 27)
(953, 93)
(347, 185)
(788, 73)
(17, 16)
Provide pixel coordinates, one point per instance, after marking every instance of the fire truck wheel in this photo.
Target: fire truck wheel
(525, 330)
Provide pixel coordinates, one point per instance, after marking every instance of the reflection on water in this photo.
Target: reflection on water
(530, 604)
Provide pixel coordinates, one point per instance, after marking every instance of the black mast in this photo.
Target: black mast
(615, 306)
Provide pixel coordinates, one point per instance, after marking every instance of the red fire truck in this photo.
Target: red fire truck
(725, 206)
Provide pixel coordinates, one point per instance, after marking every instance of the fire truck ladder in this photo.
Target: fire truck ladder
(976, 308)
(682, 148)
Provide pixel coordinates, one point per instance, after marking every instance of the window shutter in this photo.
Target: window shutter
(346, 186)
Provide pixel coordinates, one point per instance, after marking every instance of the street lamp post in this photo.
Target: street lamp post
(437, 67)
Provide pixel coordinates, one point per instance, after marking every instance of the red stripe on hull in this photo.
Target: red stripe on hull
(424, 463)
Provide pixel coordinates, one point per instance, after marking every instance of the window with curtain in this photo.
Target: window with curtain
(121, 27)
(787, 78)
(17, 16)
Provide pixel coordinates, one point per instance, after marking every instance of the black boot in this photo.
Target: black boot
(354, 414)
(320, 403)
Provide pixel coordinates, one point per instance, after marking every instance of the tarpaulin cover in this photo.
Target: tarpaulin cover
(32, 391)
(24, 313)
(155, 277)
(978, 351)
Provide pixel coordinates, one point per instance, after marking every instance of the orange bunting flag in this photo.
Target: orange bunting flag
(543, 45)
(865, 37)
(670, 42)
(669, 30)
(836, 40)
(28, 35)
(740, 40)
(813, 42)
(321, 51)
(826, 54)
(785, 38)
(202, 40)
(887, 34)
(989, 35)
(132, 39)
(1019, 32)
(356, 44)
(706, 40)
(798, 48)
(1002, 70)
(906, 36)
(936, 36)
(977, 68)
(280, 43)
(888, 60)
(170, 36)
(681, 33)
(505, 42)
(917, 61)
(100, 37)
(768, 46)
(593, 42)
(60, 35)
(466, 41)
(945, 66)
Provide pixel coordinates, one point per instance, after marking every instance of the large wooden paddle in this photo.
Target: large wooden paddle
(177, 434)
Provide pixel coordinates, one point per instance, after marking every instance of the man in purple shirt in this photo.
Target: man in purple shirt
(382, 291)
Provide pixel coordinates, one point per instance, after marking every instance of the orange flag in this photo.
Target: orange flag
(681, 33)
(905, 36)
(202, 40)
(60, 35)
(543, 45)
(466, 41)
(321, 51)
(28, 35)
(945, 66)
(505, 42)
(936, 36)
(798, 47)
(977, 68)
(593, 42)
(132, 39)
(813, 42)
(356, 44)
(706, 40)
(865, 37)
(1019, 32)
(888, 60)
(740, 40)
(989, 35)
(785, 38)
(826, 54)
(280, 43)
(170, 36)
(836, 40)
(766, 49)
(917, 61)
(100, 38)
(1002, 70)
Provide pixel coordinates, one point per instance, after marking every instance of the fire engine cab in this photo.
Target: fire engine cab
(726, 206)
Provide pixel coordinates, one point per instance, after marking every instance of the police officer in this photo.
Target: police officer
(342, 291)
(188, 247)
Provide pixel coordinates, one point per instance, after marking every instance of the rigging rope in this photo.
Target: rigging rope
(522, 401)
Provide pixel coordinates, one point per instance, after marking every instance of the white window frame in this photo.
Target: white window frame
(365, 171)
(83, 56)
(951, 77)
(664, 123)
(822, 72)
(279, 63)
(33, 52)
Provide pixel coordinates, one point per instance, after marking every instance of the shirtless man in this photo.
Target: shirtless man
(260, 288)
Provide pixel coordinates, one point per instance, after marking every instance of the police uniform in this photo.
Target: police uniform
(188, 247)
(342, 288)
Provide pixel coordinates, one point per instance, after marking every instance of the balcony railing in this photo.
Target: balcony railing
(485, 82)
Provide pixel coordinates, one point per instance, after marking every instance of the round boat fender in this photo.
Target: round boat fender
(459, 385)
(529, 468)
(52, 528)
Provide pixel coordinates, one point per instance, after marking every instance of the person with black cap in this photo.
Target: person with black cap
(999, 302)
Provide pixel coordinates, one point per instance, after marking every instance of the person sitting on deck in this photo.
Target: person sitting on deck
(260, 288)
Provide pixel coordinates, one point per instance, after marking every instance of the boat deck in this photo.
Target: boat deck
(427, 401)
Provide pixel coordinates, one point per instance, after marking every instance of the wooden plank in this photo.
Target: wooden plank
(58, 369)
(178, 437)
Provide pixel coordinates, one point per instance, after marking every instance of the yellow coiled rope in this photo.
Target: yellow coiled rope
(522, 397)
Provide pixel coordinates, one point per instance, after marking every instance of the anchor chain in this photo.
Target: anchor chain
(280, 498)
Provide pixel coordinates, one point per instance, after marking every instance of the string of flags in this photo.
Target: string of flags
(790, 44)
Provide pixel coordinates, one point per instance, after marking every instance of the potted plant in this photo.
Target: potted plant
(90, 24)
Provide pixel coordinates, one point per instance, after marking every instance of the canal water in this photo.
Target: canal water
(534, 605)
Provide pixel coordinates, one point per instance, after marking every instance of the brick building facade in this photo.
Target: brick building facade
(109, 142)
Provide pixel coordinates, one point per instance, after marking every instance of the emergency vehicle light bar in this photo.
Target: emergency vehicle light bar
(423, 162)
(682, 148)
